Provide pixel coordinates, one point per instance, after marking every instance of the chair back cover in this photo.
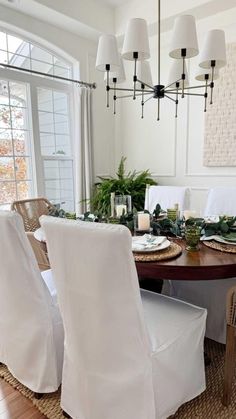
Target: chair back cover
(26, 329)
(107, 369)
(221, 201)
(167, 197)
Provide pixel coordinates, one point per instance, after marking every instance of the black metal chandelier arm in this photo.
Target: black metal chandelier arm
(171, 84)
(123, 89)
(196, 87)
(173, 92)
(158, 109)
(206, 95)
(186, 93)
(139, 94)
(148, 99)
(168, 97)
(145, 84)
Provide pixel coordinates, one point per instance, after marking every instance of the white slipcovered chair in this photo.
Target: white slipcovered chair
(125, 357)
(210, 294)
(31, 328)
(167, 197)
(221, 201)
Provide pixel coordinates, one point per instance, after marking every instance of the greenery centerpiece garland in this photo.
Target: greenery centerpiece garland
(133, 184)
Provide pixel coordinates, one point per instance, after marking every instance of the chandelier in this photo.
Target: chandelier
(184, 45)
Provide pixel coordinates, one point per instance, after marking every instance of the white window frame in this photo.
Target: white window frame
(33, 83)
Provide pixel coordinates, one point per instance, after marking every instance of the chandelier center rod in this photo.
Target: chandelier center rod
(159, 41)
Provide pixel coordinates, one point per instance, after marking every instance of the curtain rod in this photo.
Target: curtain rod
(39, 73)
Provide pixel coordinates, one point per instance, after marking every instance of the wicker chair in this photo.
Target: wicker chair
(31, 210)
(230, 346)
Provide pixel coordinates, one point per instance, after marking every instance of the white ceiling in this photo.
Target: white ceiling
(113, 3)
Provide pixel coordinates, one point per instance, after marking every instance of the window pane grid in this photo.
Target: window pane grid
(15, 136)
(24, 54)
(15, 152)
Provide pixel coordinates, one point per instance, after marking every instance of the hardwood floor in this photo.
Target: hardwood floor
(15, 406)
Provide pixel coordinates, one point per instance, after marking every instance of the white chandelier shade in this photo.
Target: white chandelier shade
(107, 54)
(184, 37)
(118, 76)
(144, 72)
(203, 74)
(184, 45)
(176, 72)
(213, 50)
(136, 40)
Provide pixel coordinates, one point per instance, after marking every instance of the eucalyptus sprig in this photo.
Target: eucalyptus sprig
(221, 227)
(59, 212)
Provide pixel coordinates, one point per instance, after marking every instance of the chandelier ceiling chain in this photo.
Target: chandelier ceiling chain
(184, 45)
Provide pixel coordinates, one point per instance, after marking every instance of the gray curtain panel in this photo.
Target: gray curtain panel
(83, 149)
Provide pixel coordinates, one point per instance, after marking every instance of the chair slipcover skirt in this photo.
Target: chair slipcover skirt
(124, 359)
(31, 330)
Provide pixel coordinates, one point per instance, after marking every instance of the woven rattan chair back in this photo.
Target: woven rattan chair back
(31, 210)
(230, 353)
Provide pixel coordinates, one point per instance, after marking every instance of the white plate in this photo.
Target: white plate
(140, 244)
(40, 235)
(218, 239)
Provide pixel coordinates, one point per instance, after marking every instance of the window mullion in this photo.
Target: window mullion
(38, 162)
(12, 142)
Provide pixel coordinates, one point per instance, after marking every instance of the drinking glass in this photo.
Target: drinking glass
(192, 237)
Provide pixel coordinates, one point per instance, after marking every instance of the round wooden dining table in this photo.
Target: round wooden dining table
(203, 264)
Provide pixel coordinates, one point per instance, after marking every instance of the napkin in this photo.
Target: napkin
(146, 242)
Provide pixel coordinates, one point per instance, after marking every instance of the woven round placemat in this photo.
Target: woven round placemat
(171, 252)
(220, 246)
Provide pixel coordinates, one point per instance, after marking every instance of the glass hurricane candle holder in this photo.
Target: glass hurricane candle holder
(192, 237)
(142, 222)
(122, 205)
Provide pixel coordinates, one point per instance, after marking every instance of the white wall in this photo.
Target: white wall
(79, 50)
(172, 149)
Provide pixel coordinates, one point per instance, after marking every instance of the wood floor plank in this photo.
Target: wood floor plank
(5, 389)
(15, 406)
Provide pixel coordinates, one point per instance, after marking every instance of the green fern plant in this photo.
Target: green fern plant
(134, 184)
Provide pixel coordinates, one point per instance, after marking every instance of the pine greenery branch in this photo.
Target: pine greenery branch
(134, 184)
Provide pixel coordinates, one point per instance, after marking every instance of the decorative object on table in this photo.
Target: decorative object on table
(222, 227)
(165, 226)
(192, 231)
(184, 45)
(170, 252)
(172, 213)
(59, 212)
(142, 222)
(134, 184)
(122, 205)
(189, 214)
(192, 237)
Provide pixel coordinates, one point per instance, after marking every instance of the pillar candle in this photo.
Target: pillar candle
(189, 214)
(112, 204)
(120, 210)
(143, 222)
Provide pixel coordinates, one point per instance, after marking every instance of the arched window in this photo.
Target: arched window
(36, 147)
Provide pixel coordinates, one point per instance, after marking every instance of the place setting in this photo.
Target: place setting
(149, 248)
(220, 234)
